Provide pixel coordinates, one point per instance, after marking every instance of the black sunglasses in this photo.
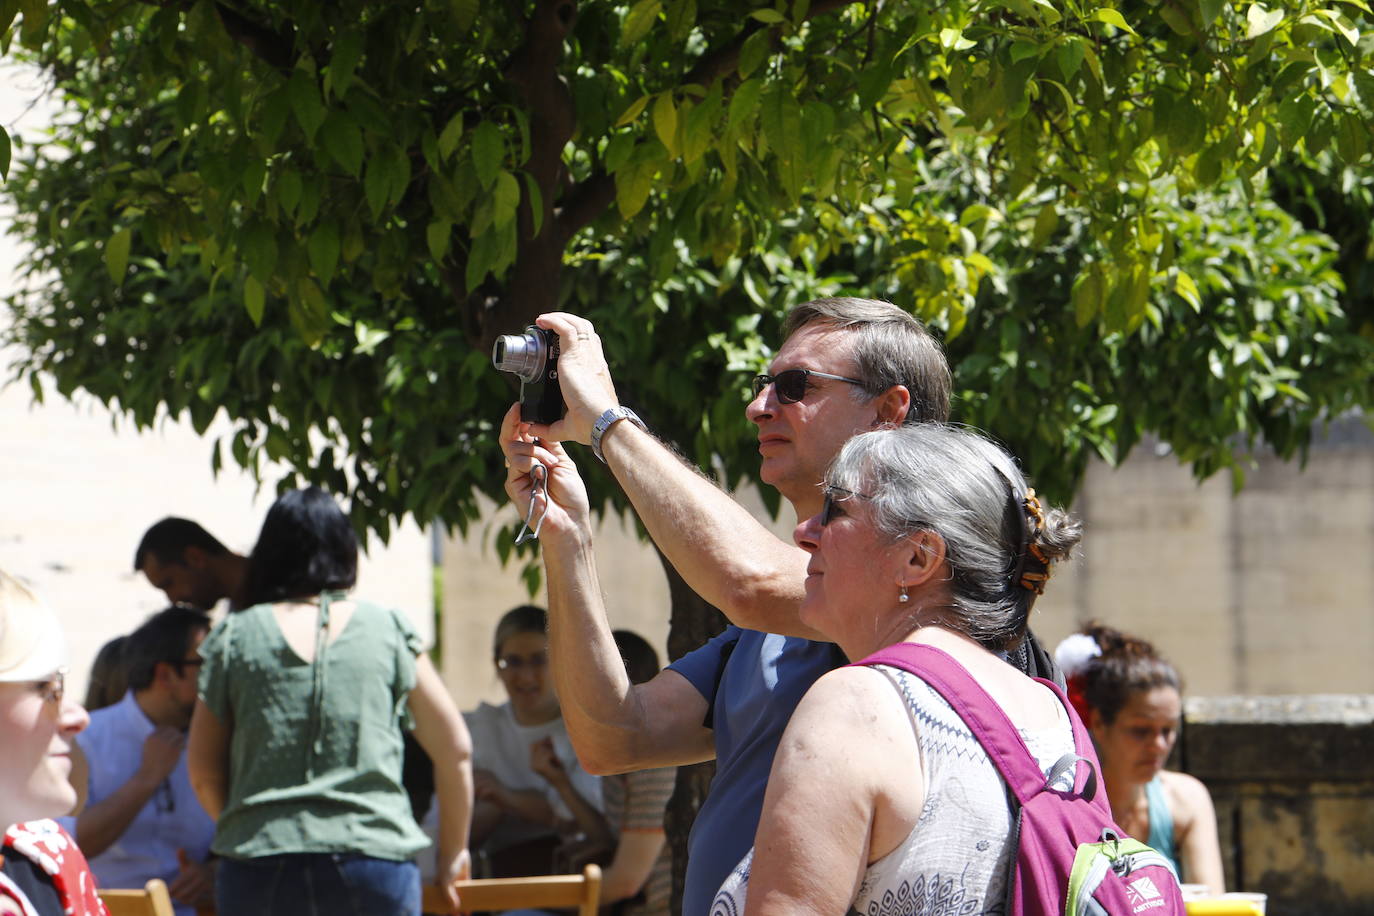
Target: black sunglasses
(830, 508)
(791, 384)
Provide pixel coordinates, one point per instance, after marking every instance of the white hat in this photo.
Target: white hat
(31, 642)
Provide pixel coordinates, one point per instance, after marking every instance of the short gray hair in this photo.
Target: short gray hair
(955, 482)
(890, 348)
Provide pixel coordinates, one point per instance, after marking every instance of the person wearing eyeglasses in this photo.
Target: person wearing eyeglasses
(142, 820)
(846, 365)
(531, 793)
(42, 871)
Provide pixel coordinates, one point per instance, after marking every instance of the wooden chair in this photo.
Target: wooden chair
(540, 891)
(153, 900)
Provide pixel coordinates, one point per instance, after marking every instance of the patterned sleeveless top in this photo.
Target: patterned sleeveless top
(958, 858)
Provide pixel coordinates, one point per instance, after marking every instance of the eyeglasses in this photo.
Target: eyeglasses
(181, 664)
(830, 506)
(791, 385)
(516, 662)
(52, 689)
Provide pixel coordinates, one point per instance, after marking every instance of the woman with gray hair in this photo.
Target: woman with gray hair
(880, 796)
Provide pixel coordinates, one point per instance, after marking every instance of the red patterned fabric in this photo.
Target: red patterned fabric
(54, 851)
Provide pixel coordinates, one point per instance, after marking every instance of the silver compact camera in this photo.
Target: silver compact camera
(532, 357)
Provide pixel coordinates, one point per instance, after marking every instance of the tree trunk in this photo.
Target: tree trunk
(693, 622)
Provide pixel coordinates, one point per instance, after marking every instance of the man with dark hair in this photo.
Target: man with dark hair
(141, 819)
(189, 564)
(846, 365)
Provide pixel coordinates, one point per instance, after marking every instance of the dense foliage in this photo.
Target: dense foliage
(316, 217)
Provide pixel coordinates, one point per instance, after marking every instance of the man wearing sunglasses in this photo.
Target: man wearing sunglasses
(846, 366)
(141, 818)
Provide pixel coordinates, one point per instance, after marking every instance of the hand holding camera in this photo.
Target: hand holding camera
(579, 370)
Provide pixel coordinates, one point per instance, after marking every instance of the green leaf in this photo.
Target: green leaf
(5, 153)
(1087, 295)
(377, 182)
(1113, 18)
(117, 254)
(638, 21)
(348, 51)
(488, 151)
(781, 119)
(505, 198)
(1259, 20)
(439, 236)
(287, 189)
(305, 102)
(633, 111)
(254, 300)
(665, 122)
(632, 186)
(767, 16)
(754, 52)
(323, 249)
(618, 152)
(682, 16)
(1187, 290)
(344, 140)
(451, 134)
(1211, 9)
(744, 103)
(1046, 222)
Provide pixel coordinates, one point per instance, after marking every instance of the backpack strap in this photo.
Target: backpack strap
(989, 724)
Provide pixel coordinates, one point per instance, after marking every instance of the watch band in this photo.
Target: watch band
(606, 421)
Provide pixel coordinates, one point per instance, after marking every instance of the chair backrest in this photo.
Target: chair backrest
(152, 900)
(539, 891)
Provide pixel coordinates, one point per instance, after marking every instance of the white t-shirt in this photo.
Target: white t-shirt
(502, 745)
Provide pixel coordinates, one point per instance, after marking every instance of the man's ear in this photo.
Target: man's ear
(194, 558)
(925, 560)
(892, 406)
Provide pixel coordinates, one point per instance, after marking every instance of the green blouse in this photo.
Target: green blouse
(315, 749)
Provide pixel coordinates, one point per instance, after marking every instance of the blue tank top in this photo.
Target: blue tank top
(1161, 823)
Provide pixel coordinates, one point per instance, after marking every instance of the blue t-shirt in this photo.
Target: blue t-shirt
(752, 681)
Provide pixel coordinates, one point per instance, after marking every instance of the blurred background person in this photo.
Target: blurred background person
(141, 819)
(520, 819)
(189, 564)
(41, 870)
(296, 740)
(109, 679)
(1132, 702)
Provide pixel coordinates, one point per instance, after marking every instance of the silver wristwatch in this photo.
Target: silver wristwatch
(605, 421)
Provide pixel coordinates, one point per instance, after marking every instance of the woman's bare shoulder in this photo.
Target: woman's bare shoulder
(1188, 798)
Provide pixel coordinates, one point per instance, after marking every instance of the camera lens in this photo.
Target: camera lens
(520, 354)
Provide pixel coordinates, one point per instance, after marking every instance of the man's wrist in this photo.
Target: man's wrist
(608, 419)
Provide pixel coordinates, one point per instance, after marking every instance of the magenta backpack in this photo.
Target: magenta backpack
(1071, 857)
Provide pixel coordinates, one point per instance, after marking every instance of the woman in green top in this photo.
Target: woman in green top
(296, 739)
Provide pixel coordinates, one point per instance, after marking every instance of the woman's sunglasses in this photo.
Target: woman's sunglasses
(791, 385)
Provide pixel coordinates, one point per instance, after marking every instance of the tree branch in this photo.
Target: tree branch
(275, 49)
(585, 203)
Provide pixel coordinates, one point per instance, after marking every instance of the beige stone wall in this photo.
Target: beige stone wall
(1270, 591)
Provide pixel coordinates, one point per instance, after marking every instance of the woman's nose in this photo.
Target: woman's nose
(72, 716)
(807, 534)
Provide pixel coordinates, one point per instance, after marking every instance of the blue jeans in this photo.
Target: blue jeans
(317, 884)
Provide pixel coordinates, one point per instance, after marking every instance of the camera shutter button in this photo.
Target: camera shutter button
(605, 421)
